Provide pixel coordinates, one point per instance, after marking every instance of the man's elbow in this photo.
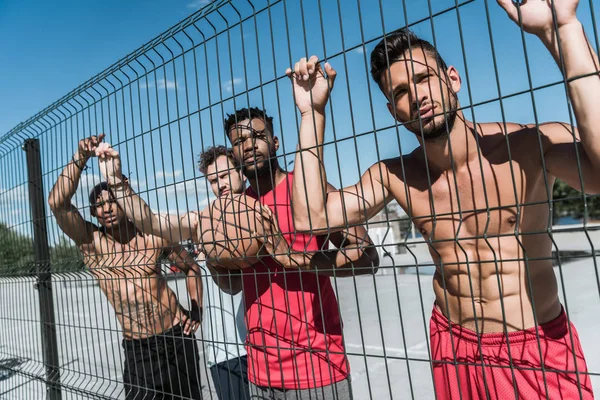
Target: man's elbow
(232, 291)
(366, 262)
(371, 257)
(55, 204)
(230, 287)
(52, 204)
(310, 223)
(230, 282)
(593, 189)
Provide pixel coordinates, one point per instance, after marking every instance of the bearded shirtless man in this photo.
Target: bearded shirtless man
(161, 355)
(480, 195)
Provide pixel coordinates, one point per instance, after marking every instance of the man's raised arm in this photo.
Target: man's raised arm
(556, 24)
(69, 219)
(172, 228)
(315, 209)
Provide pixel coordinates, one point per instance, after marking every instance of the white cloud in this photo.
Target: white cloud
(228, 86)
(160, 83)
(137, 184)
(168, 175)
(88, 181)
(360, 50)
(15, 208)
(186, 188)
(196, 4)
(14, 194)
(179, 198)
(168, 84)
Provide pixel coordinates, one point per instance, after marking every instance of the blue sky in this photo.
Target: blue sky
(49, 48)
(52, 48)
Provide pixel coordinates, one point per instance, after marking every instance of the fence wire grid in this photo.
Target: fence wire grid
(155, 243)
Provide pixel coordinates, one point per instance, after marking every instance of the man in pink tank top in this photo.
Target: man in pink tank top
(294, 343)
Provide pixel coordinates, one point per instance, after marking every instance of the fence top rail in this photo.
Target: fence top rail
(169, 33)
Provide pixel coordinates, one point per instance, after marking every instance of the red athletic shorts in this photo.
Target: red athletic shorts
(486, 369)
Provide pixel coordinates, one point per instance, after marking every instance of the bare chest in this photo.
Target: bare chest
(475, 201)
(135, 259)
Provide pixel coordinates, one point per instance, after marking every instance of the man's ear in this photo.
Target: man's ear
(276, 142)
(454, 79)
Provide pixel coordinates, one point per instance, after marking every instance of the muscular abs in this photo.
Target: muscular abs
(132, 282)
(489, 246)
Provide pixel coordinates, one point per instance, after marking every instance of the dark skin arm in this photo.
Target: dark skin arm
(190, 320)
(67, 216)
(354, 253)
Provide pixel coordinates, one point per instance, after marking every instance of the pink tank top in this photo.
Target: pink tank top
(294, 327)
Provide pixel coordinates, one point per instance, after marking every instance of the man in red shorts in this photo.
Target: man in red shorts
(480, 195)
(294, 343)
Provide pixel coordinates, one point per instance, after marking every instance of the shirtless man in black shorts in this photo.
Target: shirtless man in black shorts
(161, 355)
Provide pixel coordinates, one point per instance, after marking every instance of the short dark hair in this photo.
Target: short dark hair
(248, 113)
(210, 155)
(95, 193)
(393, 48)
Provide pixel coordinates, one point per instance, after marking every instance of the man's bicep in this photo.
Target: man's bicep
(188, 224)
(174, 228)
(572, 166)
(75, 226)
(566, 159)
(365, 199)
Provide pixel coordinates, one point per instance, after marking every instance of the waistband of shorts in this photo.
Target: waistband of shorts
(558, 327)
(175, 331)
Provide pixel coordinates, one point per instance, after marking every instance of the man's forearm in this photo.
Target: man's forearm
(310, 179)
(579, 62)
(138, 211)
(66, 185)
(347, 261)
(194, 286)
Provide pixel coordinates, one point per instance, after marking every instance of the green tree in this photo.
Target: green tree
(16, 252)
(65, 257)
(568, 202)
(17, 255)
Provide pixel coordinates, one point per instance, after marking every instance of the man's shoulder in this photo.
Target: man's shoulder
(98, 244)
(514, 130)
(530, 134)
(400, 165)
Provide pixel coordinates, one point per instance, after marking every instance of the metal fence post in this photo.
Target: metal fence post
(42, 260)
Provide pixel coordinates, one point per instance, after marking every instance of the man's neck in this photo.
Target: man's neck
(124, 233)
(456, 150)
(263, 184)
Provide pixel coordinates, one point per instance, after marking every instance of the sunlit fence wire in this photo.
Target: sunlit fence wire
(64, 313)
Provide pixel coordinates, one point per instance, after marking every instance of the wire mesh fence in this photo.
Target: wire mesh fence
(167, 228)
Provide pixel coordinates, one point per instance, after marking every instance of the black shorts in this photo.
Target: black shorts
(162, 367)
